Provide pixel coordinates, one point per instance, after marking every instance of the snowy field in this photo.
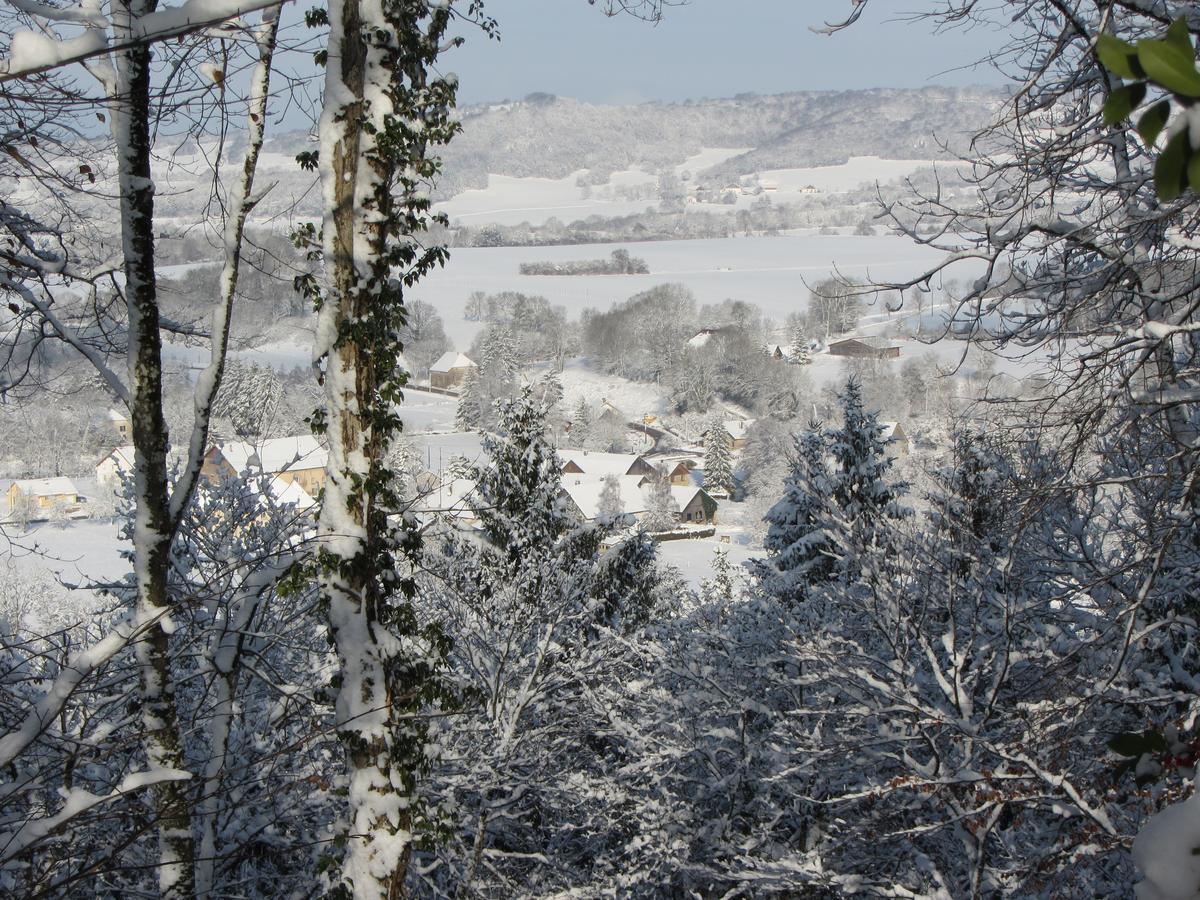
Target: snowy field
(77, 553)
(771, 272)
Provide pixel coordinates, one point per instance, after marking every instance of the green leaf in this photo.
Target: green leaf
(1170, 171)
(1168, 65)
(1127, 743)
(1153, 121)
(1118, 57)
(1179, 35)
(1123, 101)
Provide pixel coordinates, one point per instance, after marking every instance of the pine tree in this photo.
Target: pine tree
(861, 487)
(797, 540)
(470, 413)
(718, 461)
(724, 586)
(628, 582)
(581, 423)
(865, 497)
(799, 350)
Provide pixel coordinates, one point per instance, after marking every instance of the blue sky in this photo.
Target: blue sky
(708, 48)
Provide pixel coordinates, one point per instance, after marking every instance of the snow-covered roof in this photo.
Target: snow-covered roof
(115, 416)
(451, 359)
(737, 427)
(286, 493)
(122, 458)
(889, 430)
(700, 338)
(450, 498)
(598, 464)
(46, 487)
(275, 454)
(585, 493)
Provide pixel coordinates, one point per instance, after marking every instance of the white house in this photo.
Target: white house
(115, 466)
(596, 464)
(300, 458)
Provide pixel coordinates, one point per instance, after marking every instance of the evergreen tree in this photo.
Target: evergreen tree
(799, 349)
(581, 423)
(861, 488)
(718, 461)
(469, 416)
(628, 583)
(797, 540)
(725, 585)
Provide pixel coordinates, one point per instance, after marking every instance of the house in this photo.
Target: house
(450, 370)
(582, 496)
(115, 466)
(864, 348)
(121, 424)
(300, 459)
(696, 505)
(597, 465)
(737, 429)
(45, 494)
(896, 438)
(610, 414)
(702, 337)
(776, 351)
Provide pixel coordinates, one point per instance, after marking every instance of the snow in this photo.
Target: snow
(275, 454)
(451, 359)
(1165, 851)
(47, 487)
(693, 558)
(856, 172)
(585, 491)
(597, 465)
(771, 272)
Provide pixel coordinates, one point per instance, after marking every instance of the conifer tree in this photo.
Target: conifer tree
(469, 416)
(718, 461)
(798, 547)
(799, 349)
(861, 487)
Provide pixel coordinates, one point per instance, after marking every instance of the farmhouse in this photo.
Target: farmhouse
(45, 493)
(111, 469)
(120, 422)
(776, 351)
(864, 348)
(450, 370)
(597, 465)
(300, 459)
(582, 496)
(735, 431)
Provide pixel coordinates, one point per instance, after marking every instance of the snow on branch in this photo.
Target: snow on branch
(33, 52)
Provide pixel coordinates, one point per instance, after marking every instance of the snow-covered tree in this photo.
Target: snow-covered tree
(662, 512)
(610, 508)
(799, 350)
(798, 541)
(718, 460)
(470, 413)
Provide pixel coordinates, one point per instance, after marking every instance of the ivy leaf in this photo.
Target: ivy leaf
(1166, 64)
(1179, 35)
(1153, 121)
(1118, 57)
(1170, 171)
(1123, 101)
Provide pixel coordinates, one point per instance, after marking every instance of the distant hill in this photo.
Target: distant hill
(553, 136)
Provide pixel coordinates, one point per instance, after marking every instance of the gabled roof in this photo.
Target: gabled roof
(736, 428)
(275, 454)
(117, 416)
(46, 487)
(122, 457)
(585, 493)
(596, 464)
(451, 359)
(892, 430)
